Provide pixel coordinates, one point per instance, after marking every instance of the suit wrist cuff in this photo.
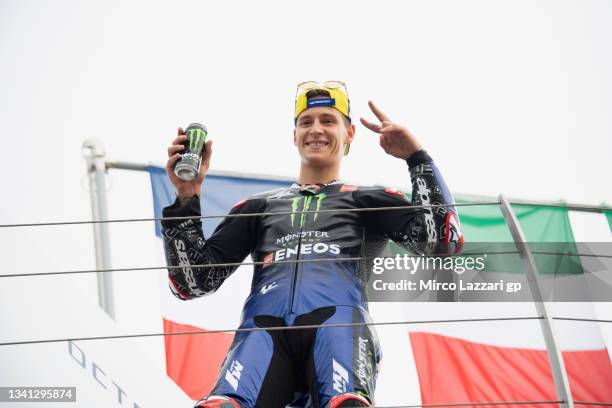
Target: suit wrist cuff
(417, 158)
(187, 208)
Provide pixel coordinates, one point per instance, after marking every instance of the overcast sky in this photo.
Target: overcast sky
(508, 97)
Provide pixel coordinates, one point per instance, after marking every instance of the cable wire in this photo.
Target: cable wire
(304, 327)
(145, 268)
(253, 329)
(413, 207)
(314, 326)
(216, 265)
(580, 319)
(472, 404)
(570, 254)
(403, 207)
(475, 404)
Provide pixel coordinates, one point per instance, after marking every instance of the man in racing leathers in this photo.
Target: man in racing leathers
(301, 278)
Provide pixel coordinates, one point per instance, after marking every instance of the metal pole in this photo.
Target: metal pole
(555, 357)
(122, 165)
(94, 153)
(542, 203)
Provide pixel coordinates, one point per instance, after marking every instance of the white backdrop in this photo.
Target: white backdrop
(507, 96)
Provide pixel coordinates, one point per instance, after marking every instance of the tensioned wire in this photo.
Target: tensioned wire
(408, 207)
(328, 326)
(349, 325)
(414, 207)
(476, 404)
(346, 259)
(303, 327)
(253, 329)
(296, 261)
(403, 207)
(466, 404)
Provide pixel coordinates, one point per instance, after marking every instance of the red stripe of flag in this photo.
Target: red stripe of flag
(193, 361)
(453, 370)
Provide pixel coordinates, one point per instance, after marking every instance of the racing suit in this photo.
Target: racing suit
(270, 368)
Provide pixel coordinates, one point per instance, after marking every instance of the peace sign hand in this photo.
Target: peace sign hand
(395, 139)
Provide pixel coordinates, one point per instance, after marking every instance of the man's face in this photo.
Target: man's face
(320, 134)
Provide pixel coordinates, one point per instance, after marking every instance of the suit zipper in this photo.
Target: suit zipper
(302, 220)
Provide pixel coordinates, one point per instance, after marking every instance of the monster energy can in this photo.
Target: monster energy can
(188, 166)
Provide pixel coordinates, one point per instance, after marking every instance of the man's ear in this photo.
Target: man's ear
(350, 134)
(348, 139)
(294, 138)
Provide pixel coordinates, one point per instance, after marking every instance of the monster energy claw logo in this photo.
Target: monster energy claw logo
(295, 202)
(197, 137)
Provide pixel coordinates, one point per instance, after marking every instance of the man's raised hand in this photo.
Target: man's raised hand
(186, 189)
(395, 139)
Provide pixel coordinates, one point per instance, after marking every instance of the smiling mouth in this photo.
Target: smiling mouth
(318, 144)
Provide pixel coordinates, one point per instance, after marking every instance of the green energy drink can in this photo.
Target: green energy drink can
(188, 166)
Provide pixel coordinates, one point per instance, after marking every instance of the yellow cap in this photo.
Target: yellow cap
(338, 98)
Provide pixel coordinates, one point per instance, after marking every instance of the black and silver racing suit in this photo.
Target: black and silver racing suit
(269, 368)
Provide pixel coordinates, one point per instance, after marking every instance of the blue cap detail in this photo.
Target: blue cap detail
(321, 102)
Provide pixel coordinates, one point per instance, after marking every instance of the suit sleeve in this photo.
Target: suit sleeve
(426, 230)
(186, 246)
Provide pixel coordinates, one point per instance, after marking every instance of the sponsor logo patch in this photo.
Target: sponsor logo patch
(424, 197)
(301, 214)
(305, 249)
(364, 367)
(183, 259)
(305, 236)
(321, 102)
(340, 376)
(265, 289)
(453, 229)
(233, 374)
